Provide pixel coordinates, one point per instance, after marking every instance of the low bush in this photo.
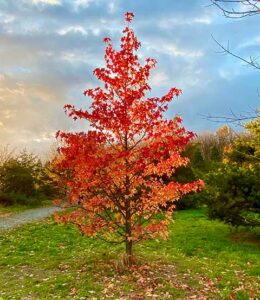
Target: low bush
(8, 199)
(192, 201)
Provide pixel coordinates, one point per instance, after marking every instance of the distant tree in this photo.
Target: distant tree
(206, 142)
(59, 176)
(47, 185)
(254, 128)
(225, 136)
(15, 178)
(6, 153)
(119, 163)
(21, 174)
(215, 154)
(197, 159)
(211, 145)
(234, 188)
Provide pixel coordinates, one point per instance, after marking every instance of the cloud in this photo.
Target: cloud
(82, 3)
(49, 49)
(180, 21)
(172, 49)
(202, 20)
(250, 42)
(159, 79)
(73, 29)
(6, 18)
(47, 2)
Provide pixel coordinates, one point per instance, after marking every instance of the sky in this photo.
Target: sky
(49, 48)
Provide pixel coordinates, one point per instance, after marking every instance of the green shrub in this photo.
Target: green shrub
(8, 199)
(25, 181)
(234, 195)
(193, 200)
(20, 174)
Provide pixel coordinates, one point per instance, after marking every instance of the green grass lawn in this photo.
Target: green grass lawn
(201, 260)
(6, 211)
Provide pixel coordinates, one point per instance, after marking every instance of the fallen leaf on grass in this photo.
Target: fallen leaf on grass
(73, 291)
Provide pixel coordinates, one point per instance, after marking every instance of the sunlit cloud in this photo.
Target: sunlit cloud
(47, 2)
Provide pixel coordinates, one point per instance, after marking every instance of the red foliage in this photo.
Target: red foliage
(119, 164)
(129, 16)
(56, 201)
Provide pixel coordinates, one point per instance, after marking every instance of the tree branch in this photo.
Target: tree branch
(249, 8)
(233, 118)
(225, 50)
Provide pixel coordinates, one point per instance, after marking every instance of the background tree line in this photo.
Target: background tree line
(229, 164)
(25, 179)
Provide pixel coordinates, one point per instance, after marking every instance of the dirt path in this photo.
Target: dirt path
(27, 216)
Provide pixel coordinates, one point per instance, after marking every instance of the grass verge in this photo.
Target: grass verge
(6, 211)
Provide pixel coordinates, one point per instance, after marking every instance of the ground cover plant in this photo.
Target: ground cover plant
(201, 260)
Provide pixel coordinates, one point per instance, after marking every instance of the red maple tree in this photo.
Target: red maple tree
(119, 168)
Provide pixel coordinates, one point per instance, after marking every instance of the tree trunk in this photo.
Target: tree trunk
(128, 237)
(128, 225)
(129, 252)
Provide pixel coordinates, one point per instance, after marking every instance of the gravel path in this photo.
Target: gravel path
(26, 216)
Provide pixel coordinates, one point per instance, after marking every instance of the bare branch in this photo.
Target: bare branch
(253, 61)
(233, 118)
(239, 9)
(248, 8)
(6, 153)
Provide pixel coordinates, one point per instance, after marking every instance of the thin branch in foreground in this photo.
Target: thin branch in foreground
(253, 61)
(248, 8)
(233, 118)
